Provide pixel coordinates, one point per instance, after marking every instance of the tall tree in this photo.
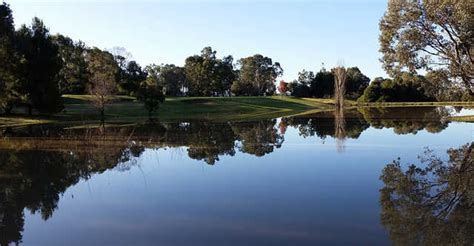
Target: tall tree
(170, 77)
(429, 35)
(356, 82)
(208, 75)
(73, 76)
(131, 78)
(10, 82)
(103, 71)
(42, 68)
(257, 75)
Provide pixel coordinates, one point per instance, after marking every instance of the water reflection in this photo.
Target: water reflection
(430, 204)
(38, 164)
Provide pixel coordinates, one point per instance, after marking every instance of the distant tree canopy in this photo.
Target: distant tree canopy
(170, 77)
(208, 75)
(73, 75)
(256, 76)
(429, 35)
(321, 84)
(408, 88)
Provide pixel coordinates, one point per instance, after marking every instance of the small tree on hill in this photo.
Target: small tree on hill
(151, 94)
(283, 87)
(103, 70)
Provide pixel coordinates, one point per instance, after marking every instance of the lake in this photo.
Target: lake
(318, 179)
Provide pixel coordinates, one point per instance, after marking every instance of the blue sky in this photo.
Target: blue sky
(298, 34)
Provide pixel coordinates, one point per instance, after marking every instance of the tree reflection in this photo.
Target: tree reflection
(407, 120)
(258, 138)
(343, 124)
(38, 163)
(34, 179)
(430, 204)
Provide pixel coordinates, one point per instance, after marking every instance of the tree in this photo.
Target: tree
(301, 86)
(207, 75)
(283, 87)
(151, 94)
(257, 75)
(340, 76)
(73, 76)
(356, 82)
(429, 35)
(131, 78)
(41, 70)
(172, 78)
(406, 87)
(10, 82)
(103, 71)
(323, 84)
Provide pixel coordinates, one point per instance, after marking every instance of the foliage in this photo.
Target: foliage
(321, 84)
(73, 75)
(10, 81)
(151, 94)
(408, 87)
(207, 75)
(103, 70)
(41, 68)
(257, 75)
(172, 78)
(429, 35)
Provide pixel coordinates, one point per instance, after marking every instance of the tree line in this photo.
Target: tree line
(38, 67)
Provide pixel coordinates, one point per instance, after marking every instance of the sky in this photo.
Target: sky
(298, 34)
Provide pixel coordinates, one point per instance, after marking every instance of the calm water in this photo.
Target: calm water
(317, 179)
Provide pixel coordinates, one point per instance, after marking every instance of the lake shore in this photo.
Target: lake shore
(78, 108)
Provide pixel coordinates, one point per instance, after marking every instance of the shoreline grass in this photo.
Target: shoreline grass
(126, 109)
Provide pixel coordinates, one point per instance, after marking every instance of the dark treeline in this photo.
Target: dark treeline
(321, 84)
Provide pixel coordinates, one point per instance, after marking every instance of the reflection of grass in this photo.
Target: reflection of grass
(465, 118)
(21, 121)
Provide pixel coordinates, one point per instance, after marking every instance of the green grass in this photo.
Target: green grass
(189, 108)
(125, 109)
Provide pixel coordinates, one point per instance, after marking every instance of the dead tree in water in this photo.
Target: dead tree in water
(340, 76)
(340, 129)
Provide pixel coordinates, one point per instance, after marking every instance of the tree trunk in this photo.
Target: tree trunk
(30, 110)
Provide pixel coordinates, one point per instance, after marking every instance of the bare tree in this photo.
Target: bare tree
(103, 70)
(340, 76)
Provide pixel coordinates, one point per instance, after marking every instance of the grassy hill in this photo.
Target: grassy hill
(125, 109)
